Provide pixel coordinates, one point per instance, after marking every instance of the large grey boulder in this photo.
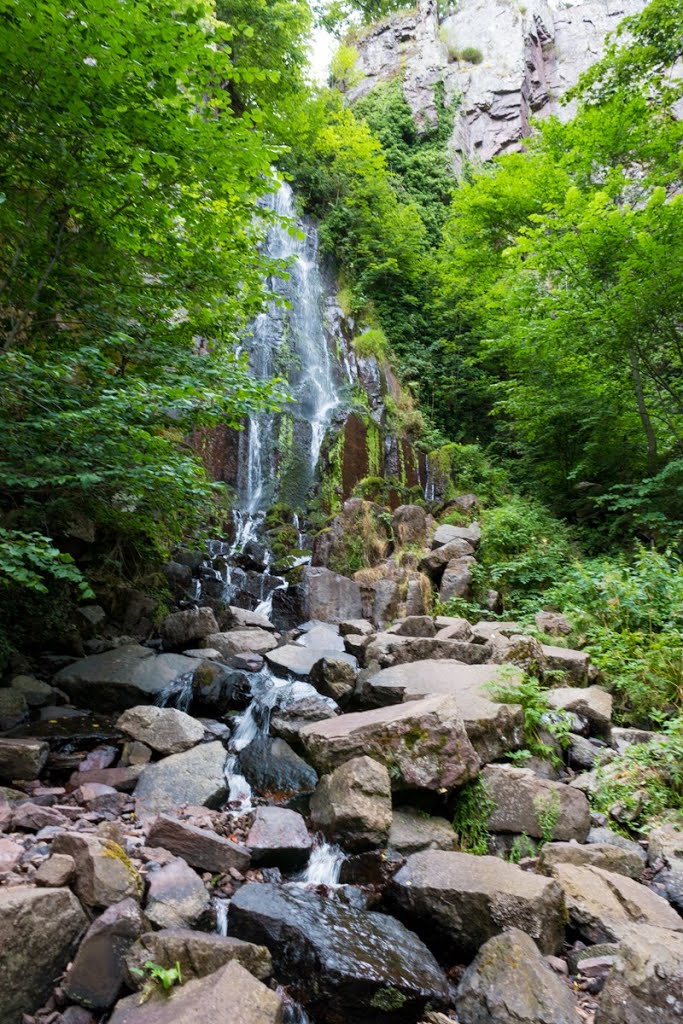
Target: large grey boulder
(22, 758)
(601, 903)
(412, 830)
(423, 744)
(457, 579)
(97, 973)
(176, 897)
(124, 677)
(646, 983)
(103, 873)
(464, 900)
(410, 524)
(329, 596)
(200, 847)
(230, 995)
(447, 534)
(354, 965)
(665, 857)
(574, 664)
(166, 730)
(278, 837)
(241, 641)
(436, 561)
(196, 776)
(39, 932)
(591, 702)
(524, 802)
(390, 649)
(198, 953)
(272, 766)
(180, 629)
(299, 661)
(510, 982)
(494, 729)
(353, 804)
(233, 617)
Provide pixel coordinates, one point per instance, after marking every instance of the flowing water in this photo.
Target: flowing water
(324, 865)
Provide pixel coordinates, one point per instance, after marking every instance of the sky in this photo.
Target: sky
(322, 47)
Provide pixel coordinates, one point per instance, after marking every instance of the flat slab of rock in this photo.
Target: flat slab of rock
(390, 649)
(510, 982)
(241, 641)
(598, 855)
(574, 663)
(196, 776)
(124, 677)
(198, 953)
(298, 661)
(176, 897)
(445, 534)
(323, 636)
(601, 904)
(39, 932)
(241, 618)
(200, 847)
(22, 758)
(524, 802)
(465, 900)
(96, 975)
(345, 957)
(166, 730)
(278, 837)
(353, 804)
(183, 628)
(483, 631)
(423, 744)
(412, 831)
(494, 729)
(103, 873)
(329, 596)
(230, 993)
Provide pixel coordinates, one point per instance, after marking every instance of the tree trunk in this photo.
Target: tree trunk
(643, 413)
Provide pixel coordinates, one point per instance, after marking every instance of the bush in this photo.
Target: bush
(539, 718)
(372, 344)
(465, 468)
(471, 54)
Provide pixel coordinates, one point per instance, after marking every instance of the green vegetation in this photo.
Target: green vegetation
(544, 728)
(547, 811)
(471, 54)
(472, 811)
(388, 999)
(371, 343)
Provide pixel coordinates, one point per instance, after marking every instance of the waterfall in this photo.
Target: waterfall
(288, 339)
(324, 865)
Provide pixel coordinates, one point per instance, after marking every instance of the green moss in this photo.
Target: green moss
(472, 811)
(113, 850)
(372, 343)
(388, 999)
(373, 444)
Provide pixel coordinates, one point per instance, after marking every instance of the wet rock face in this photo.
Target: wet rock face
(272, 767)
(353, 965)
(510, 982)
(530, 56)
(39, 930)
(198, 953)
(353, 804)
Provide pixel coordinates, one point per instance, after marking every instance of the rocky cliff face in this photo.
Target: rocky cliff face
(531, 54)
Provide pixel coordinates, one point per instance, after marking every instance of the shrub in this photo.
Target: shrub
(372, 343)
(470, 821)
(471, 54)
(462, 468)
(539, 718)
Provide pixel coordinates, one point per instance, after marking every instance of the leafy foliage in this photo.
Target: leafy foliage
(540, 721)
(472, 811)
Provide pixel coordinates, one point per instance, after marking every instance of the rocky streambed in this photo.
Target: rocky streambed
(231, 822)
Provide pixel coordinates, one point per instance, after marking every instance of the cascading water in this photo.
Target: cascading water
(324, 865)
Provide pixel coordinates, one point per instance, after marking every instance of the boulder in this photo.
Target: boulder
(22, 758)
(198, 953)
(298, 661)
(461, 901)
(389, 649)
(510, 982)
(166, 730)
(445, 534)
(321, 636)
(357, 627)
(13, 709)
(39, 932)
(334, 677)
(410, 525)
(525, 803)
(592, 703)
(329, 596)
(124, 677)
(97, 973)
(270, 766)
(353, 804)
(123, 779)
(412, 830)
(279, 838)
(483, 631)
(199, 847)
(573, 663)
(622, 739)
(11, 854)
(183, 628)
(599, 855)
(103, 873)
(31, 817)
(523, 651)
(665, 857)
(434, 564)
(601, 903)
(233, 617)
(646, 983)
(494, 729)
(56, 872)
(196, 776)
(457, 579)
(553, 623)
(456, 629)
(102, 799)
(176, 897)
(229, 994)
(606, 836)
(423, 744)
(36, 693)
(414, 625)
(347, 963)
(241, 641)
